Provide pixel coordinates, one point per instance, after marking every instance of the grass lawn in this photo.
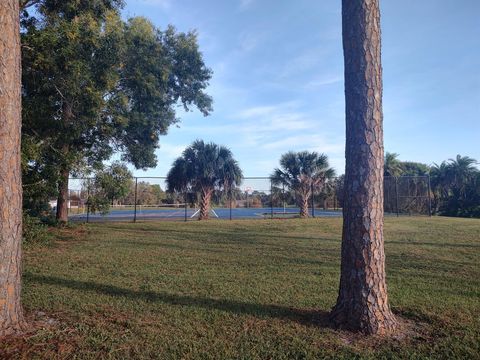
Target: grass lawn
(244, 289)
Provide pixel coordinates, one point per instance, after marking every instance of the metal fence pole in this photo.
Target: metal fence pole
(271, 199)
(429, 198)
(230, 203)
(396, 194)
(185, 205)
(135, 205)
(313, 201)
(88, 199)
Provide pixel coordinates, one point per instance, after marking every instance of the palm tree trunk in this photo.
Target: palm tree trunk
(362, 302)
(62, 199)
(303, 206)
(11, 314)
(205, 204)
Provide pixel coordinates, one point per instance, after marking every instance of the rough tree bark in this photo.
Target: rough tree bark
(362, 303)
(205, 204)
(303, 203)
(62, 199)
(11, 314)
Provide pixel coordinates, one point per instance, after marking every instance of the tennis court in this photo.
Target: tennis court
(181, 213)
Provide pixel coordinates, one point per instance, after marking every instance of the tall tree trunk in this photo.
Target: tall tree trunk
(62, 200)
(205, 204)
(362, 302)
(11, 314)
(303, 203)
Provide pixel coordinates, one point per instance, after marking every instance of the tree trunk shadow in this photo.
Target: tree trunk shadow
(307, 317)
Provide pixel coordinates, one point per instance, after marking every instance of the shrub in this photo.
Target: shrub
(35, 232)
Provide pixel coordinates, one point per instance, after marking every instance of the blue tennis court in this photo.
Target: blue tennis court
(192, 214)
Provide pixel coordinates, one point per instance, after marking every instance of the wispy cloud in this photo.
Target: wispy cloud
(245, 4)
(323, 81)
(273, 118)
(311, 142)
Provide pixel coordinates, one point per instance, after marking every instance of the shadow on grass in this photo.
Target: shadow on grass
(307, 317)
(220, 236)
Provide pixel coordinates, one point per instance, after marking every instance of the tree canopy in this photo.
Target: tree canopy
(94, 84)
(303, 172)
(203, 168)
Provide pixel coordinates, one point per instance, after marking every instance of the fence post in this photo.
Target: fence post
(429, 197)
(185, 205)
(313, 200)
(271, 199)
(230, 201)
(88, 199)
(396, 194)
(135, 205)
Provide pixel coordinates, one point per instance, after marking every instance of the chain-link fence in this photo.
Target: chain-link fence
(257, 198)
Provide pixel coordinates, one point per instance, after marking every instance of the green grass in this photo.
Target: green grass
(244, 289)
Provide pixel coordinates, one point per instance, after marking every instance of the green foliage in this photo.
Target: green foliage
(303, 171)
(94, 84)
(392, 166)
(204, 166)
(108, 185)
(147, 194)
(35, 232)
(456, 187)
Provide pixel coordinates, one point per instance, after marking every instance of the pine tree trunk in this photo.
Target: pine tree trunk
(362, 302)
(205, 205)
(303, 206)
(11, 314)
(62, 200)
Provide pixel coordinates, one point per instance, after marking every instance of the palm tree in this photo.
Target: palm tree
(204, 168)
(451, 183)
(461, 170)
(303, 172)
(393, 166)
(362, 302)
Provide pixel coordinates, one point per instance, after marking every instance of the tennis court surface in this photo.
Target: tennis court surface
(181, 213)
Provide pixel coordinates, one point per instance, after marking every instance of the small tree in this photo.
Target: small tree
(110, 184)
(302, 172)
(204, 168)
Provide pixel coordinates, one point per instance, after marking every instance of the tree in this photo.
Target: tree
(204, 168)
(114, 182)
(302, 172)
(94, 85)
(11, 314)
(110, 184)
(456, 187)
(362, 302)
(411, 168)
(392, 166)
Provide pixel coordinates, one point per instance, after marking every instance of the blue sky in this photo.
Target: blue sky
(278, 78)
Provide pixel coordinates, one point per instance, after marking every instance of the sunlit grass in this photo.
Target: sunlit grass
(245, 289)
